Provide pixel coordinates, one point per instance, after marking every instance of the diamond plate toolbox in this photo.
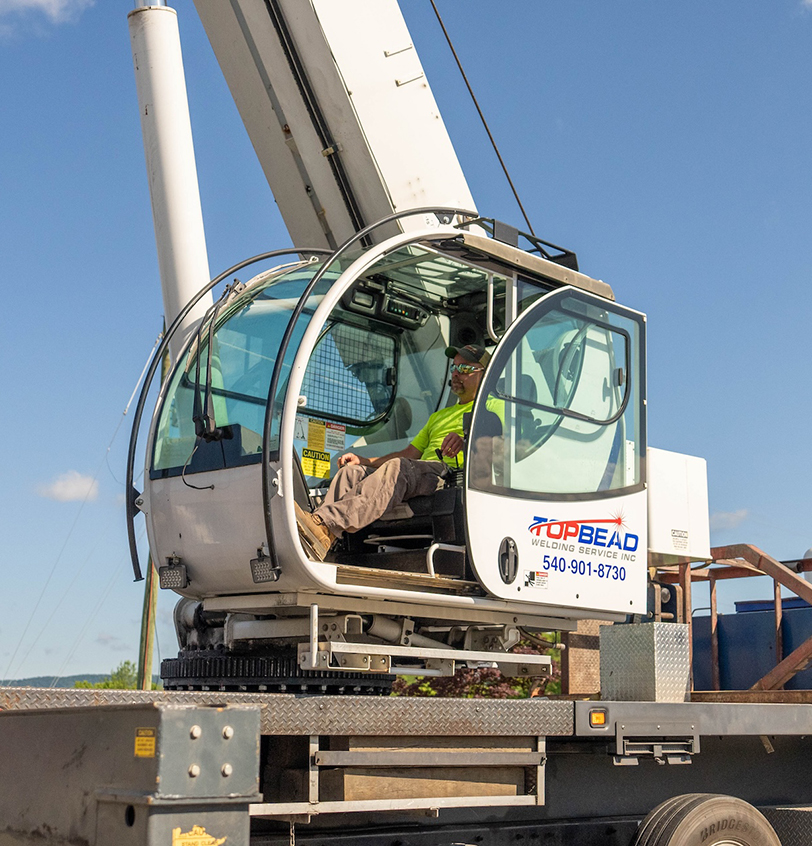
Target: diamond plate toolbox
(648, 662)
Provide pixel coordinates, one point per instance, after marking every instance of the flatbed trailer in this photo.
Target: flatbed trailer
(348, 134)
(144, 767)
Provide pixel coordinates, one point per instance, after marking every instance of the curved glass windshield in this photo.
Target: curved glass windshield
(572, 386)
(376, 371)
(244, 349)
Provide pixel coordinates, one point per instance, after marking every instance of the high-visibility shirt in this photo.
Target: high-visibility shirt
(430, 438)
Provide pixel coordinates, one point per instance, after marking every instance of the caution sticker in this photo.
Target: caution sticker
(198, 836)
(145, 740)
(316, 435)
(316, 463)
(679, 538)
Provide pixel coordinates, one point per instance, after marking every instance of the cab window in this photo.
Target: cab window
(571, 384)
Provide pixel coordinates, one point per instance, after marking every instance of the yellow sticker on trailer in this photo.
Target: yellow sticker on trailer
(145, 740)
(315, 463)
(198, 836)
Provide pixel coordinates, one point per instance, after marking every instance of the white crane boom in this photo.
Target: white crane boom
(338, 109)
(182, 259)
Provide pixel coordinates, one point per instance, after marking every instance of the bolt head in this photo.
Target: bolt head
(195, 732)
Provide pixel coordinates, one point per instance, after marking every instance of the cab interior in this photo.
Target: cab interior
(377, 371)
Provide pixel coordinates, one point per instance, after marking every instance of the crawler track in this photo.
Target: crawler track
(277, 673)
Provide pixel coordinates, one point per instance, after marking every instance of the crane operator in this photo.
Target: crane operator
(365, 488)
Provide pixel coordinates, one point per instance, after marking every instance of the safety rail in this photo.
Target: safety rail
(735, 562)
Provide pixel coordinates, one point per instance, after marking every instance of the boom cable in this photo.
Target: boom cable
(6, 679)
(90, 618)
(482, 118)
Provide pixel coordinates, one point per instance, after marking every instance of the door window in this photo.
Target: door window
(570, 377)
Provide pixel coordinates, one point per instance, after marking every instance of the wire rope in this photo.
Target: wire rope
(58, 605)
(6, 678)
(98, 606)
(482, 118)
(102, 599)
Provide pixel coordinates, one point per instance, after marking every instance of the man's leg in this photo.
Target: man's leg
(317, 536)
(345, 479)
(363, 503)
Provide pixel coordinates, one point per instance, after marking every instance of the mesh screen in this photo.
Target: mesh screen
(350, 375)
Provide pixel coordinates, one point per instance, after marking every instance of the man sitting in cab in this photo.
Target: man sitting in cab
(365, 488)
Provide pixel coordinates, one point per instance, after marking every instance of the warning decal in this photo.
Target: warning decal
(536, 578)
(316, 463)
(335, 436)
(145, 739)
(316, 435)
(198, 836)
(300, 428)
(679, 538)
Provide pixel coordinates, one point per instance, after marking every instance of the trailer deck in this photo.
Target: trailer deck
(149, 767)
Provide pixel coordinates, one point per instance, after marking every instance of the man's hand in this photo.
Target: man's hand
(349, 458)
(452, 444)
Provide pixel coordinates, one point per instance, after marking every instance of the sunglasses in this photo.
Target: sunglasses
(465, 369)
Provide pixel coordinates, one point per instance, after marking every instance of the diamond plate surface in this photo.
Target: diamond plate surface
(792, 825)
(289, 714)
(648, 662)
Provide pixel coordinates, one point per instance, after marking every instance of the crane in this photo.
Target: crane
(340, 342)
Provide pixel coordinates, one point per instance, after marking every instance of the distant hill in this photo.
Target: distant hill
(45, 681)
(66, 681)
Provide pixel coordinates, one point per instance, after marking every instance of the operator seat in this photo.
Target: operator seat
(417, 524)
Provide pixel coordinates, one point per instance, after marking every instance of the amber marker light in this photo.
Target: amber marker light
(597, 718)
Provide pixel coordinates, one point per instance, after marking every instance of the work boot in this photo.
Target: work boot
(315, 536)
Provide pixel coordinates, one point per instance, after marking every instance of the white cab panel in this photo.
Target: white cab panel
(678, 521)
(587, 555)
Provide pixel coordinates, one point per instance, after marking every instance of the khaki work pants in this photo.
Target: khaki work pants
(360, 495)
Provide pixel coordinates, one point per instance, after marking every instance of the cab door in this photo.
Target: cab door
(556, 507)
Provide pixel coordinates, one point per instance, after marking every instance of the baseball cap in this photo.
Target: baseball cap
(470, 352)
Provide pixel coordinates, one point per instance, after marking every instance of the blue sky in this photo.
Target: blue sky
(670, 145)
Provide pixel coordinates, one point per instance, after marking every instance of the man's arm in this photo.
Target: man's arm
(351, 458)
(452, 444)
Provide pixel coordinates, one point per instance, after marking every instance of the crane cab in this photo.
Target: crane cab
(542, 519)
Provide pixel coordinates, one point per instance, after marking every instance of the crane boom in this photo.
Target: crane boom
(339, 111)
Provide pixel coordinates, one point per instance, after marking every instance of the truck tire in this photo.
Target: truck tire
(705, 819)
